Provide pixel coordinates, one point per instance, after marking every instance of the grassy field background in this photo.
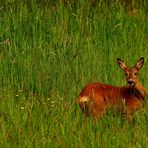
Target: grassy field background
(48, 51)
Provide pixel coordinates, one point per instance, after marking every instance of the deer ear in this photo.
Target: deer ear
(121, 64)
(139, 63)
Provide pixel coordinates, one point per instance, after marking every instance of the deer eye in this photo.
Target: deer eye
(126, 74)
(135, 74)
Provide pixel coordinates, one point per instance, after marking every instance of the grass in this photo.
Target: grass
(48, 53)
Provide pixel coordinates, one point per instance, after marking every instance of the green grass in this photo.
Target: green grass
(48, 52)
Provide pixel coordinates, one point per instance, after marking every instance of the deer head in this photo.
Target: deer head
(131, 73)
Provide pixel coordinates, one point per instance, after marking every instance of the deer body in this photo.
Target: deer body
(95, 98)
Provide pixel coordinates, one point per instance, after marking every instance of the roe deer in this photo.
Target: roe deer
(96, 97)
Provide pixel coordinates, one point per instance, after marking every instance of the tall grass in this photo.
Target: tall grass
(48, 52)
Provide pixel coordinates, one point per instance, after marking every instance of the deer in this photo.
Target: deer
(95, 98)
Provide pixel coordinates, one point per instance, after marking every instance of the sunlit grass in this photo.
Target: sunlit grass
(47, 55)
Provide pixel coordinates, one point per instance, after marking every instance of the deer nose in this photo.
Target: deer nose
(131, 82)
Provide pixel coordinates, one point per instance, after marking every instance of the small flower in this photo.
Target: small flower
(52, 103)
(20, 90)
(22, 107)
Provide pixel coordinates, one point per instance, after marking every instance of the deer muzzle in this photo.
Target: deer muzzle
(131, 82)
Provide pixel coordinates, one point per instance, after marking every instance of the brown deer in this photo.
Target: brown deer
(96, 97)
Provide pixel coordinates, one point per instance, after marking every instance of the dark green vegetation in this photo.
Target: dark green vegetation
(48, 52)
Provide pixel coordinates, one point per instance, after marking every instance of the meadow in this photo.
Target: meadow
(48, 52)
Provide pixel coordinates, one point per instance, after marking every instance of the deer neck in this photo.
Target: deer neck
(141, 89)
